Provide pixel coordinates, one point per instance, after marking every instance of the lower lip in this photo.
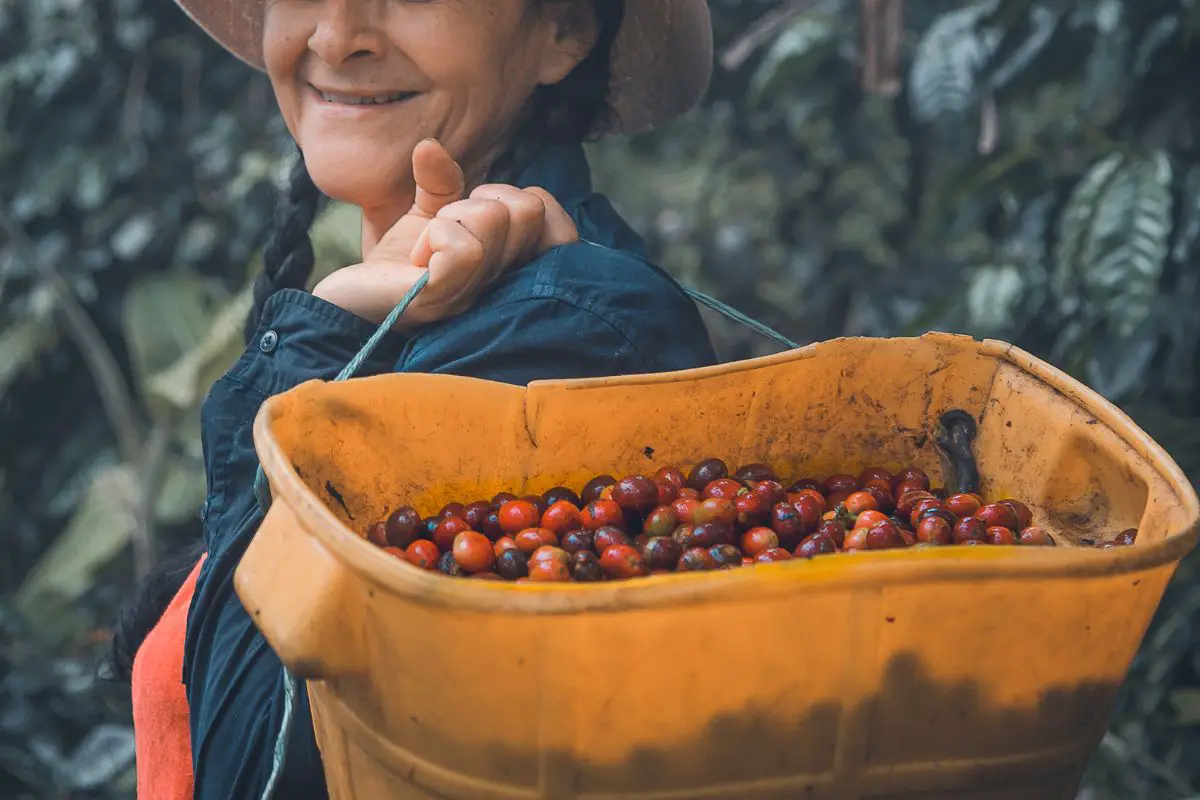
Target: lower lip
(353, 111)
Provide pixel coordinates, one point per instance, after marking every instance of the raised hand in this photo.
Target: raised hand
(465, 244)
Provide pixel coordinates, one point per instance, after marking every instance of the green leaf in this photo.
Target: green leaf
(1117, 363)
(183, 489)
(181, 385)
(795, 53)
(946, 65)
(100, 529)
(994, 299)
(21, 343)
(1188, 231)
(1044, 23)
(1128, 242)
(1186, 702)
(1106, 72)
(166, 317)
(1075, 223)
(1160, 33)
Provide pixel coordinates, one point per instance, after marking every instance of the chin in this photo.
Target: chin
(356, 176)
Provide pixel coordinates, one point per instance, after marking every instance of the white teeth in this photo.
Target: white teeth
(355, 100)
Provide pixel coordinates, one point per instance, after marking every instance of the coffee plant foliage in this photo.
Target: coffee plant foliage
(1035, 179)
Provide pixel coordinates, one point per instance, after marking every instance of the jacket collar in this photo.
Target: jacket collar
(563, 171)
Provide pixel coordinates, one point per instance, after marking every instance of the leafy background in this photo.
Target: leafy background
(1020, 169)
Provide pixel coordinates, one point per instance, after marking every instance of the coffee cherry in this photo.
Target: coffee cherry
(815, 545)
(1035, 536)
(662, 552)
(706, 472)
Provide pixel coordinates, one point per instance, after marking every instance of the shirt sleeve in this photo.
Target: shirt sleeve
(534, 338)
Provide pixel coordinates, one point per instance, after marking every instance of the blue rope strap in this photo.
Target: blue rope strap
(727, 311)
(262, 489)
(739, 317)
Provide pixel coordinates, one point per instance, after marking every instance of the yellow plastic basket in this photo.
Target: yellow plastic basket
(981, 673)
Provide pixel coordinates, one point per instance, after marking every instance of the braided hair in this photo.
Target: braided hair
(288, 254)
(572, 110)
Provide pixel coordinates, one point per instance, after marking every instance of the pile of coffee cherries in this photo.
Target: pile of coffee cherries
(705, 519)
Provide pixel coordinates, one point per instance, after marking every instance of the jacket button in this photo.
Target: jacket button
(268, 342)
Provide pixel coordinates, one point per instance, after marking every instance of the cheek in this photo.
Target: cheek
(284, 46)
(491, 98)
(288, 101)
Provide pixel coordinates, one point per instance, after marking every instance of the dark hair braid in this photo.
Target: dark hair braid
(138, 616)
(288, 254)
(570, 111)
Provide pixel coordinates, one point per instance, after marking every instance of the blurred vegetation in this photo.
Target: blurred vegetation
(1019, 169)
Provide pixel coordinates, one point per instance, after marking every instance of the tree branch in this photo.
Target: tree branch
(763, 30)
(882, 30)
(144, 544)
(114, 393)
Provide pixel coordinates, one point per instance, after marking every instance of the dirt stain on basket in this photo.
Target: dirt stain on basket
(913, 718)
(339, 409)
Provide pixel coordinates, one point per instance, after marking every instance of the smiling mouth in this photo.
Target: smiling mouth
(363, 100)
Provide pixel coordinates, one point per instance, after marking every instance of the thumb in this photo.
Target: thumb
(439, 179)
(438, 182)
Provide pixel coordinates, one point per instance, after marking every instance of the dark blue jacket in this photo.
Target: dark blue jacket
(582, 310)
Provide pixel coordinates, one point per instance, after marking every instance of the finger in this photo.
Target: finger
(421, 252)
(452, 245)
(526, 216)
(486, 220)
(558, 228)
(454, 267)
(438, 182)
(439, 179)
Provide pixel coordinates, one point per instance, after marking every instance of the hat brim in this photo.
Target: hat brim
(662, 57)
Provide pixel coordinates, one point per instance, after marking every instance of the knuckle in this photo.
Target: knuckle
(459, 249)
(522, 206)
(453, 211)
(441, 231)
(529, 208)
(541, 194)
(491, 191)
(477, 213)
(493, 215)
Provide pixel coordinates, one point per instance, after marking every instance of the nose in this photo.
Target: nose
(346, 30)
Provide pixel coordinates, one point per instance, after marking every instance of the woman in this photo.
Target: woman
(509, 89)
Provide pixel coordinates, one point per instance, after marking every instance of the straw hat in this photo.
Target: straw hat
(662, 57)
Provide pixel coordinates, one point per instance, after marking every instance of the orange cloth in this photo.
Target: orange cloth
(160, 708)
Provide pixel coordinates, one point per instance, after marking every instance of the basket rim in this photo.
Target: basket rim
(875, 568)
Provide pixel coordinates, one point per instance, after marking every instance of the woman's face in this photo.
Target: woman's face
(459, 71)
